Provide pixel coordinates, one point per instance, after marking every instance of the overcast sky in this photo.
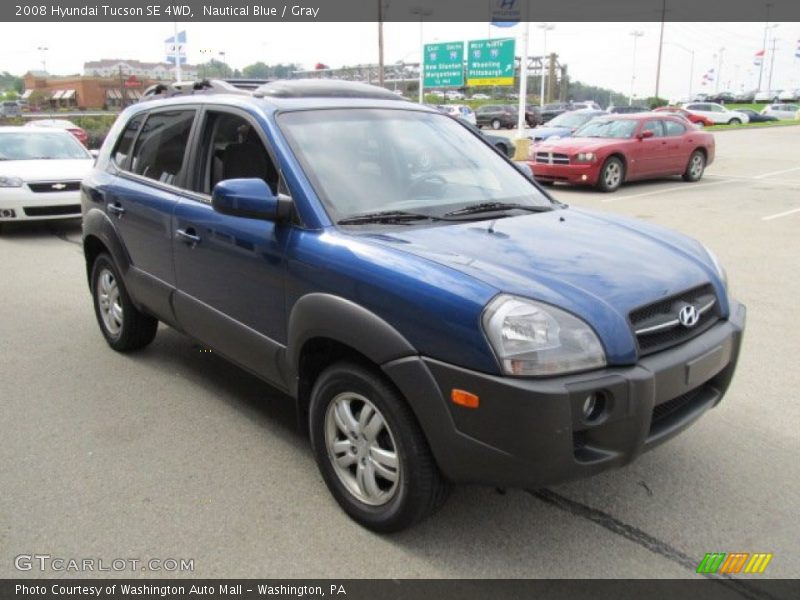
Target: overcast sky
(596, 53)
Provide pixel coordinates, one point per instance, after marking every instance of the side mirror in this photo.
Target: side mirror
(94, 153)
(647, 133)
(249, 198)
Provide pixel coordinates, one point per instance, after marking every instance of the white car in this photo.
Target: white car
(767, 95)
(785, 112)
(481, 97)
(789, 95)
(453, 95)
(717, 113)
(40, 174)
(460, 111)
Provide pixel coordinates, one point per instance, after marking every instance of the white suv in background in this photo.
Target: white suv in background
(717, 113)
(785, 112)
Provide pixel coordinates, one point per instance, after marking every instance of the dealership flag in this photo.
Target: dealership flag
(797, 50)
(758, 58)
(175, 48)
(708, 77)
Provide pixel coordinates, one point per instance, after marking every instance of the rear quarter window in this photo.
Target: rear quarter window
(125, 142)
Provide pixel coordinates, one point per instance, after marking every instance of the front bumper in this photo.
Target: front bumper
(577, 173)
(531, 433)
(26, 205)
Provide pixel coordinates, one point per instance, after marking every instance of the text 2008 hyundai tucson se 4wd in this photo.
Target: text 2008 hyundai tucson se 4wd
(438, 317)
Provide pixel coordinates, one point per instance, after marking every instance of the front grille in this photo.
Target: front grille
(52, 211)
(55, 186)
(657, 325)
(552, 158)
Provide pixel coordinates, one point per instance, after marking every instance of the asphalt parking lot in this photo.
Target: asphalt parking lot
(173, 453)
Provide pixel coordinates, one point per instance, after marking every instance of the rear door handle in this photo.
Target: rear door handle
(116, 209)
(188, 236)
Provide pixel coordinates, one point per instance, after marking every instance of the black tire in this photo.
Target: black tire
(136, 329)
(545, 182)
(695, 167)
(504, 148)
(735, 122)
(495, 124)
(420, 489)
(606, 182)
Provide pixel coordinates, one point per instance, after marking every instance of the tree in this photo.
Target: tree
(261, 70)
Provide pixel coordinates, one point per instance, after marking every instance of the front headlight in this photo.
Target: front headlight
(9, 182)
(535, 339)
(718, 266)
(586, 157)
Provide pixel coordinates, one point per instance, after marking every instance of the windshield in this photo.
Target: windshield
(367, 160)
(570, 120)
(608, 128)
(35, 146)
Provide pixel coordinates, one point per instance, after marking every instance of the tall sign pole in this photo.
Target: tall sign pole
(763, 47)
(523, 77)
(177, 51)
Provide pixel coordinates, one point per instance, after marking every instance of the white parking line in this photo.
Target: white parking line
(757, 178)
(765, 175)
(683, 186)
(782, 214)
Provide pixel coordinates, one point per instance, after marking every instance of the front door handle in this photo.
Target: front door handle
(188, 236)
(116, 209)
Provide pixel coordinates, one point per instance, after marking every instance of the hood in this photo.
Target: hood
(46, 170)
(596, 266)
(575, 144)
(542, 133)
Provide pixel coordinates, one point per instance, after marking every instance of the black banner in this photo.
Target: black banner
(401, 10)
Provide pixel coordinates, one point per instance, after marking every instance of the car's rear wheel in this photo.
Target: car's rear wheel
(371, 451)
(496, 123)
(124, 327)
(611, 175)
(696, 166)
(735, 122)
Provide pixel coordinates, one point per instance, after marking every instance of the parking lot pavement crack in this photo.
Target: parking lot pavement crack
(644, 539)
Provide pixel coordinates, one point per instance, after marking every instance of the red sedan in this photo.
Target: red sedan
(698, 120)
(608, 151)
(78, 132)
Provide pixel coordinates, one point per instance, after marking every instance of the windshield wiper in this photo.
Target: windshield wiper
(483, 207)
(385, 216)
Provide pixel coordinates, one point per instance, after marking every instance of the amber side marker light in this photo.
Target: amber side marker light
(463, 398)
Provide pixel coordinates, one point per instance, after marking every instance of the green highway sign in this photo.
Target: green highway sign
(490, 62)
(443, 65)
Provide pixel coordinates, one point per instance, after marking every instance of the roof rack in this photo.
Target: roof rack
(266, 88)
(203, 86)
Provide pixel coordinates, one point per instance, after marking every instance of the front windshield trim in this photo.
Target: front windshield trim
(533, 194)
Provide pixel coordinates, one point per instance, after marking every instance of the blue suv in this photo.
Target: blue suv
(437, 316)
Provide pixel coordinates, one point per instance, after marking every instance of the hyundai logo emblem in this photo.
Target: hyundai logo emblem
(688, 316)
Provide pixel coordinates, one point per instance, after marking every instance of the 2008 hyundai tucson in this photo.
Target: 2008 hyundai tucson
(438, 317)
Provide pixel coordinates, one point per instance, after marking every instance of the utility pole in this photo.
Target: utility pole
(43, 50)
(545, 27)
(380, 43)
(177, 54)
(636, 35)
(764, 47)
(523, 77)
(719, 71)
(660, 45)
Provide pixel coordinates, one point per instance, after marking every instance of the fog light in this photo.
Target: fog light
(583, 177)
(593, 407)
(8, 213)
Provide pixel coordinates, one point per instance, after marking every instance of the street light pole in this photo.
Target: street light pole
(660, 45)
(545, 27)
(43, 50)
(421, 12)
(636, 35)
(719, 71)
(763, 47)
(772, 64)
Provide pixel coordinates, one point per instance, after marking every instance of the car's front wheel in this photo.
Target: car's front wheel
(371, 451)
(695, 167)
(496, 124)
(735, 122)
(124, 327)
(611, 175)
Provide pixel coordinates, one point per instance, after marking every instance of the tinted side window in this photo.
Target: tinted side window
(656, 127)
(673, 128)
(125, 142)
(161, 145)
(232, 149)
